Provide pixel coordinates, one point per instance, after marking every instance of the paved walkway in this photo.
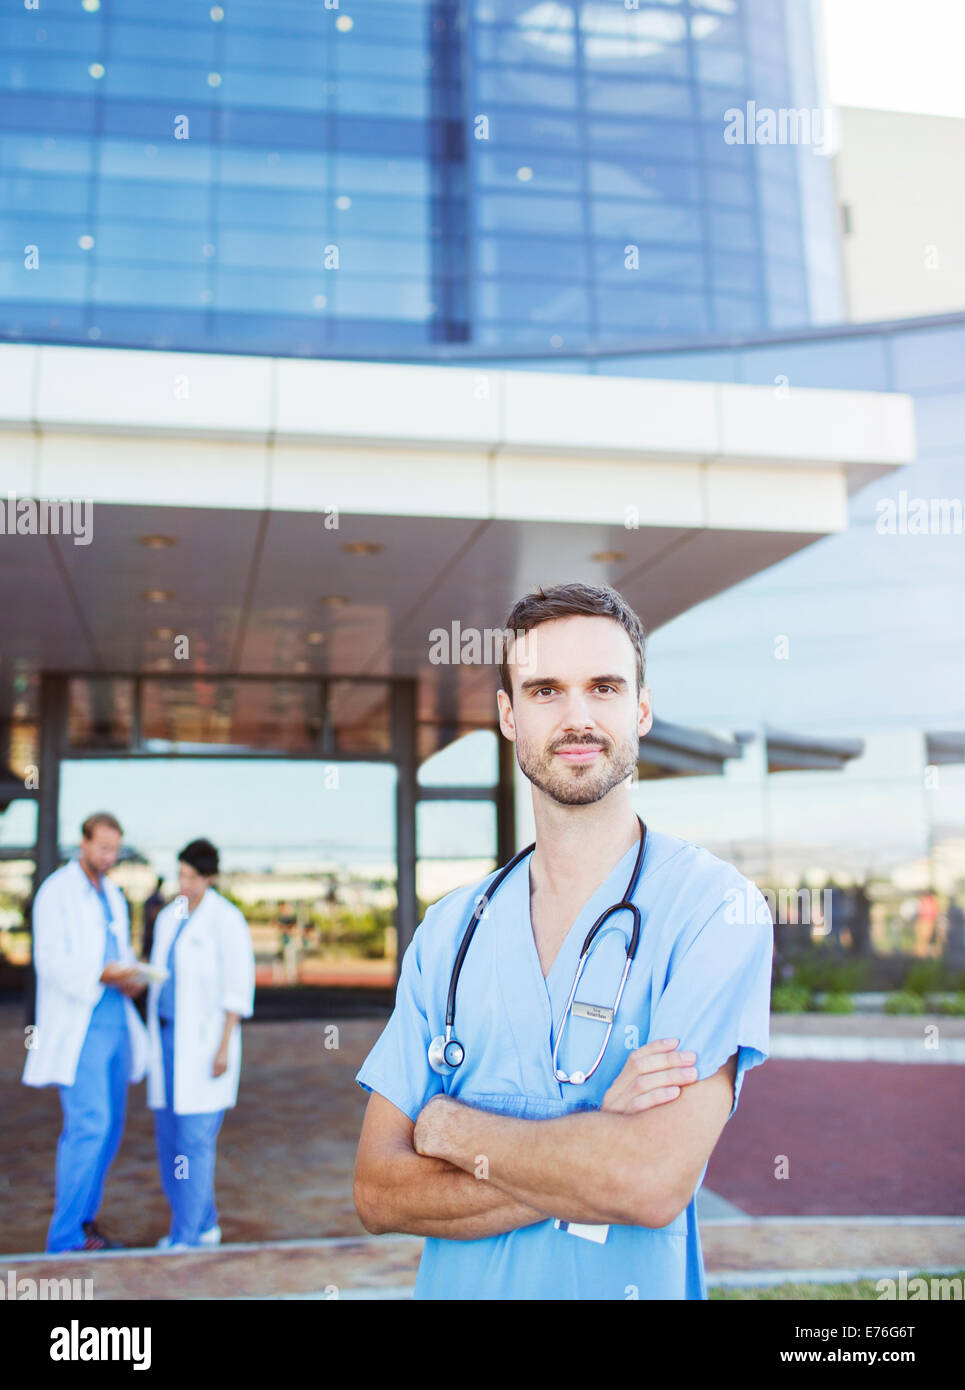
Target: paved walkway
(927, 1039)
(759, 1252)
(811, 1139)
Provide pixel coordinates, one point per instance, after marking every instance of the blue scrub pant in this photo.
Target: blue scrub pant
(94, 1111)
(186, 1147)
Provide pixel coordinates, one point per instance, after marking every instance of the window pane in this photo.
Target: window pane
(223, 716)
(100, 713)
(456, 843)
(18, 830)
(933, 357)
(470, 761)
(359, 715)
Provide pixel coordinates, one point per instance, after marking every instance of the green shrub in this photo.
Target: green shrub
(834, 976)
(903, 1001)
(925, 977)
(810, 973)
(955, 1005)
(790, 999)
(837, 1002)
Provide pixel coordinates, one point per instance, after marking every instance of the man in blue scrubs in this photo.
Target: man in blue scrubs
(526, 1185)
(88, 1038)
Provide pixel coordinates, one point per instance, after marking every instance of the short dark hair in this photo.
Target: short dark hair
(571, 601)
(201, 856)
(100, 818)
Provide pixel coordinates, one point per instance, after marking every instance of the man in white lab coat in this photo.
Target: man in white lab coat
(88, 1038)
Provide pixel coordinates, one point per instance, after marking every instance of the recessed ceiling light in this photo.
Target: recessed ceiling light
(162, 664)
(155, 542)
(301, 667)
(361, 548)
(315, 637)
(164, 634)
(335, 600)
(608, 557)
(157, 595)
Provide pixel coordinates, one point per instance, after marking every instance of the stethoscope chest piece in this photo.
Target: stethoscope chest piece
(446, 1053)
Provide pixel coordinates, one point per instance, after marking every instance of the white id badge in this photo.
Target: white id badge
(576, 1228)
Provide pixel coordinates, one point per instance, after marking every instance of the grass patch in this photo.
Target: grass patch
(862, 1289)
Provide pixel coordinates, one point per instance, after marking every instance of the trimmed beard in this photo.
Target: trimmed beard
(579, 785)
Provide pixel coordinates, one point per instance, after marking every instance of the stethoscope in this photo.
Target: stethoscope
(446, 1053)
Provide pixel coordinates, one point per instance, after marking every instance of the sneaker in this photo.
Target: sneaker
(91, 1243)
(212, 1236)
(93, 1232)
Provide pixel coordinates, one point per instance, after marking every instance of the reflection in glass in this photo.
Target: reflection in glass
(469, 761)
(456, 843)
(307, 852)
(100, 713)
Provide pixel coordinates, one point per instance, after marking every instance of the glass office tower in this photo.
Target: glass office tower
(399, 177)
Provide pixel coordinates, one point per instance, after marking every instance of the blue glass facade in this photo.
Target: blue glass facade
(878, 619)
(393, 176)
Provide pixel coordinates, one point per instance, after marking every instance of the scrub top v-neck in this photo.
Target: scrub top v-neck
(109, 1011)
(168, 992)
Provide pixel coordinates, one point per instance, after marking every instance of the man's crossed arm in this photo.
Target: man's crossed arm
(464, 1173)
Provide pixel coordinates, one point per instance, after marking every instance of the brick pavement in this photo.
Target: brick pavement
(861, 1139)
(383, 1266)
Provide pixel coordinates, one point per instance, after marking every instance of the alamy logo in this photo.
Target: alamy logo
(473, 646)
(919, 516)
(76, 1343)
(24, 1289)
(48, 516)
(787, 906)
(787, 125)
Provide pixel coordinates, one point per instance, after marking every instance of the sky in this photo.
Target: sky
(898, 55)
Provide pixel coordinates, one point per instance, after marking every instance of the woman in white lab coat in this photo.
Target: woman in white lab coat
(194, 1027)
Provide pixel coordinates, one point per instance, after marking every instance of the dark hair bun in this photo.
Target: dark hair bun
(201, 856)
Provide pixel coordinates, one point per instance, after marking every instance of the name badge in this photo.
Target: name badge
(578, 1228)
(597, 1011)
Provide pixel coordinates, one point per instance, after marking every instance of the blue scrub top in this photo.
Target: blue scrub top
(165, 999)
(109, 1011)
(702, 974)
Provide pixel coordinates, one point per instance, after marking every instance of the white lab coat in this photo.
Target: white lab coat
(68, 947)
(214, 975)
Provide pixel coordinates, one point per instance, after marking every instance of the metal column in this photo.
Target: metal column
(404, 749)
(506, 801)
(53, 726)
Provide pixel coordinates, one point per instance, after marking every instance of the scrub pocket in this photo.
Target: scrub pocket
(523, 1107)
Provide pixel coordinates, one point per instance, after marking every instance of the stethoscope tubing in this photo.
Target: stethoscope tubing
(484, 900)
(479, 910)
